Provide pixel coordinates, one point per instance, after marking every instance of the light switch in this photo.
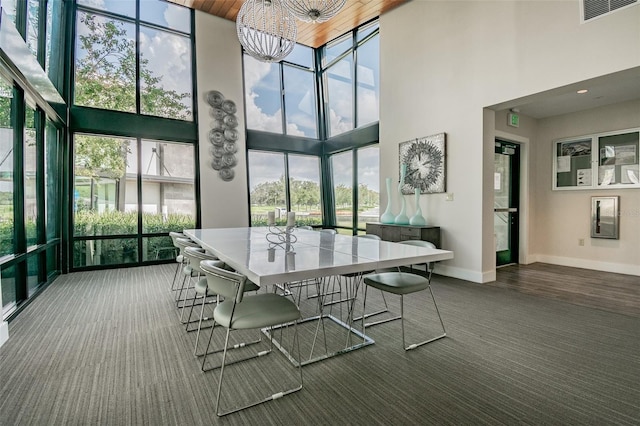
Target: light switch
(449, 196)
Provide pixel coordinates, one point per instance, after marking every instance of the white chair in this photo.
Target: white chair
(239, 311)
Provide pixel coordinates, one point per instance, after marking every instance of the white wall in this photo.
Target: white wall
(563, 217)
(443, 62)
(219, 62)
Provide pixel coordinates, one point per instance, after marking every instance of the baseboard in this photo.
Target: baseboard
(619, 268)
(465, 274)
(4, 332)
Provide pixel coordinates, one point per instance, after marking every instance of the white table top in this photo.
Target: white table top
(309, 254)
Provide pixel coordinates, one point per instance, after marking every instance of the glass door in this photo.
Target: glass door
(506, 187)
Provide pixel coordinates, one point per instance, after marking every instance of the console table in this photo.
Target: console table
(395, 233)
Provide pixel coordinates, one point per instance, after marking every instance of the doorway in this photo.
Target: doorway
(506, 187)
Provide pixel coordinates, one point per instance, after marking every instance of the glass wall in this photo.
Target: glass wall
(135, 166)
(128, 195)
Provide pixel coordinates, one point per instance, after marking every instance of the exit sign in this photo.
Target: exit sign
(513, 120)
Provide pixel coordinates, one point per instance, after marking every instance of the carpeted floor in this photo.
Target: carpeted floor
(107, 348)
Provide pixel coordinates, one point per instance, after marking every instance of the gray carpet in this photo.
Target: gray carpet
(106, 348)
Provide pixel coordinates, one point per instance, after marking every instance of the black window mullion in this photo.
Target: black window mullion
(354, 193)
(287, 189)
(42, 31)
(139, 188)
(19, 232)
(354, 79)
(283, 111)
(138, 100)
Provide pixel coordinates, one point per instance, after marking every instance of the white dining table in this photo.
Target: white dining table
(279, 255)
(273, 255)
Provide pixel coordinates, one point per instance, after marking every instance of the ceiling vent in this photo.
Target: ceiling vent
(594, 8)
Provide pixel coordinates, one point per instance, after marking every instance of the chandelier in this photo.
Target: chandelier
(314, 10)
(266, 29)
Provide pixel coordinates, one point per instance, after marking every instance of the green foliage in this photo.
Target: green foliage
(124, 250)
(106, 73)
(6, 237)
(100, 156)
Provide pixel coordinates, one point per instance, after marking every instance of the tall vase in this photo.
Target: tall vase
(417, 218)
(388, 217)
(402, 218)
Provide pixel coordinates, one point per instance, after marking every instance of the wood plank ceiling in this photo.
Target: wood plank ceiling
(353, 14)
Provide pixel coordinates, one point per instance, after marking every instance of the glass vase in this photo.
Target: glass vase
(402, 218)
(388, 217)
(417, 218)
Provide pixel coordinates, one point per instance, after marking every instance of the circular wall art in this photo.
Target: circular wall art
(223, 135)
(425, 164)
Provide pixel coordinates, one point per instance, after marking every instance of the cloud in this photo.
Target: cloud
(157, 46)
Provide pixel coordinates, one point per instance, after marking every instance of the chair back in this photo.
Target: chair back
(195, 255)
(176, 235)
(228, 284)
(181, 243)
(421, 243)
(418, 243)
(369, 236)
(328, 231)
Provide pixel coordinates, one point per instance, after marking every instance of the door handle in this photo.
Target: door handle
(506, 210)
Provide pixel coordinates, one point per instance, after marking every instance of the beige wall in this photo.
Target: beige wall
(563, 217)
(443, 62)
(219, 61)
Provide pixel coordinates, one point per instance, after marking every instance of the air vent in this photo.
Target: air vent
(595, 8)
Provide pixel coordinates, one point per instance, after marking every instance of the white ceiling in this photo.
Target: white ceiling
(606, 90)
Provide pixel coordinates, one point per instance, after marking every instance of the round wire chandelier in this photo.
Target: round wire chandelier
(266, 29)
(314, 10)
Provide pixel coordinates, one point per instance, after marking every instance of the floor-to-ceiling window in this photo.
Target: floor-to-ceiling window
(134, 134)
(324, 166)
(30, 147)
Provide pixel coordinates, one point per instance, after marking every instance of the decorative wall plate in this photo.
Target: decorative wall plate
(226, 174)
(229, 106)
(425, 160)
(216, 137)
(215, 98)
(217, 113)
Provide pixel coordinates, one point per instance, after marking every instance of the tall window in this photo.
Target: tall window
(6, 171)
(284, 182)
(267, 84)
(109, 64)
(107, 201)
(30, 178)
(30, 170)
(352, 80)
(351, 212)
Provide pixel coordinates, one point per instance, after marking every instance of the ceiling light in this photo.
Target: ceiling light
(314, 10)
(266, 29)
(581, 91)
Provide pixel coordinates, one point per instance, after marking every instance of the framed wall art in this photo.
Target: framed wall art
(425, 161)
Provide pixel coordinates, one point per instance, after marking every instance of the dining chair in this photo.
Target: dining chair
(240, 311)
(179, 257)
(187, 271)
(193, 257)
(403, 283)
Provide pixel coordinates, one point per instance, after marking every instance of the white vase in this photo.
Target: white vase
(402, 218)
(417, 218)
(388, 217)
